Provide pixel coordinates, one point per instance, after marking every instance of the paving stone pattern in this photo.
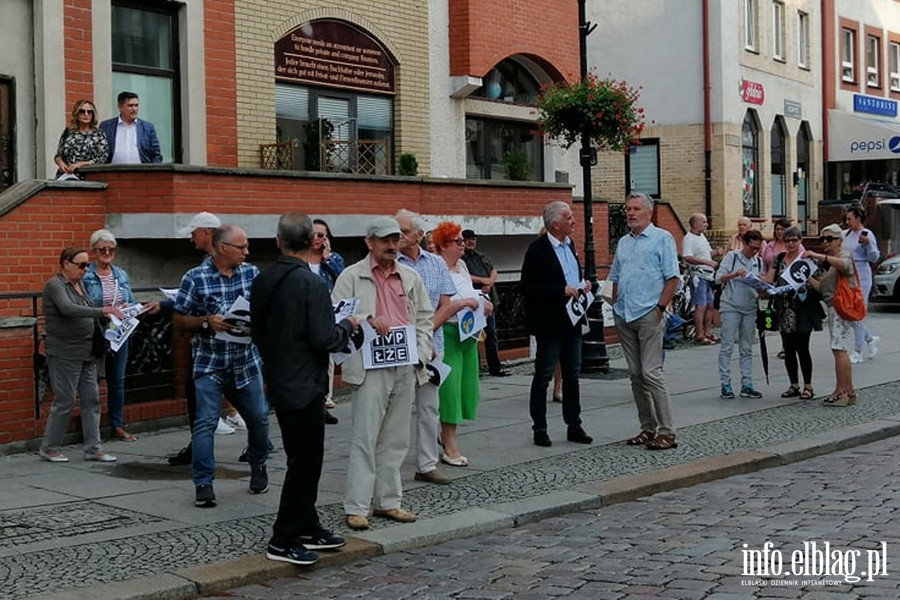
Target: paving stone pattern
(148, 554)
(683, 545)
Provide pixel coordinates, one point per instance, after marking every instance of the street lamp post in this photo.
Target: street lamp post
(593, 348)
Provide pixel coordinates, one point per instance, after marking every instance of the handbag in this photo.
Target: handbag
(98, 341)
(848, 300)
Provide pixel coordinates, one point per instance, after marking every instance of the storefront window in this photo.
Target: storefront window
(505, 150)
(509, 81)
(779, 169)
(144, 61)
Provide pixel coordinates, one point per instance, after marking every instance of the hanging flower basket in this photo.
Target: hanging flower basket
(604, 109)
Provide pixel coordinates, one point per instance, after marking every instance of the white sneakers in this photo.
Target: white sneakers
(223, 428)
(236, 421)
(873, 346)
(855, 357)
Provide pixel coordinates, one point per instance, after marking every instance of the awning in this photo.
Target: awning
(851, 137)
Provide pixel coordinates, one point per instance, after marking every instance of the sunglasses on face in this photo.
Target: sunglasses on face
(105, 250)
(460, 242)
(791, 241)
(827, 239)
(85, 111)
(321, 235)
(81, 265)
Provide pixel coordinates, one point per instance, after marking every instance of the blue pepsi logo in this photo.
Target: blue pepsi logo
(894, 144)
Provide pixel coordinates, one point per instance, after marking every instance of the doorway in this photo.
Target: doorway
(7, 132)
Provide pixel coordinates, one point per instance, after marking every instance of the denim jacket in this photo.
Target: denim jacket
(94, 288)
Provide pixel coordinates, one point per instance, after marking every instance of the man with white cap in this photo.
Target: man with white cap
(390, 295)
(200, 229)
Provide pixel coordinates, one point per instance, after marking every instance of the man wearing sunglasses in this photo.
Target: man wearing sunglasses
(131, 140)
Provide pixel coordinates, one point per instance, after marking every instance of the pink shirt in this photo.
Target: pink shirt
(390, 298)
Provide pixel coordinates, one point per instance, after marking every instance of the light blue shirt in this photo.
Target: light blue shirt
(642, 265)
(436, 276)
(566, 257)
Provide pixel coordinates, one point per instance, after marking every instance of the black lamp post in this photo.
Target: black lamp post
(593, 348)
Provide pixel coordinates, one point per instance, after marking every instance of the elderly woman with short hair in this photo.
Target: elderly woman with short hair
(107, 285)
(71, 321)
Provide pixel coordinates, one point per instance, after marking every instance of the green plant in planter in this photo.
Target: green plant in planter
(604, 109)
(408, 165)
(516, 165)
(316, 133)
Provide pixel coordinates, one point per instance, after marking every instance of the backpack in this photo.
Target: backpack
(848, 301)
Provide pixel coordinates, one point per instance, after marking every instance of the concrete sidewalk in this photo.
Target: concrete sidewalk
(130, 530)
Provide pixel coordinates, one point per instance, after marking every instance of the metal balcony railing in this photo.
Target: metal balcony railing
(279, 157)
(367, 157)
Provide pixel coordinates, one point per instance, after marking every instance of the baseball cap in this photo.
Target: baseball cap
(468, 234)
(202, 220)
(382, 227)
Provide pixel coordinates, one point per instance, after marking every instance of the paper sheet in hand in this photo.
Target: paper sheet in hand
(343, 309)
(396, 349)
(471, 321)
(119, 330)
(577, 307)
(798, 272)
(238, 317)
(437, 372)
(759, 285)
(169, 293)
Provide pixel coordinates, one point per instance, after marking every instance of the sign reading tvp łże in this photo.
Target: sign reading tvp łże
(336, 54)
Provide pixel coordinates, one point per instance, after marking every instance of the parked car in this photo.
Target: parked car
(886, 281)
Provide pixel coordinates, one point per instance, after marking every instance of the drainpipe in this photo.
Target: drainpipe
(707, 119)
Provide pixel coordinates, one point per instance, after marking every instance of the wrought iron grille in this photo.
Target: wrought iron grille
(278, 157)
(368, 157)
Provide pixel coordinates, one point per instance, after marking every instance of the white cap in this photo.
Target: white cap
(202, 220)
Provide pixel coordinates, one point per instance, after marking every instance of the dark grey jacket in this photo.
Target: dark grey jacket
(69, 321)
(293, 326)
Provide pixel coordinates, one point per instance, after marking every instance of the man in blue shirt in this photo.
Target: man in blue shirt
(645, 276)
(223, 366)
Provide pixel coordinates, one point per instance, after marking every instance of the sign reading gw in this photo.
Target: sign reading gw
(866, 146)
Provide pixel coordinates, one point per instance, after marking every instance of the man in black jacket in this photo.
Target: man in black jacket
(551, 274)
(294, 329)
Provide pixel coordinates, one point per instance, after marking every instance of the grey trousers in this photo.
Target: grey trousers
(427, 426)
(68, 377)
(642, 341)
(381, 414)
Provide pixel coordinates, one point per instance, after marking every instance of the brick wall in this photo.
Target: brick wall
(480, 37)
(221, 87)
(78, 48)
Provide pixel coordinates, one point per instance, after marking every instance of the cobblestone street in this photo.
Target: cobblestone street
(685, 545)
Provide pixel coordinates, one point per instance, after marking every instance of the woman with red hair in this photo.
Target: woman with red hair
(459, 393)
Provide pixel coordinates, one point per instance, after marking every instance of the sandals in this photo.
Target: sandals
(459, 461)
(791, 392)
(642, 438)
(841, 399)
(123, 436)
(713, 338)
(705, 342)
(662, 442)
(808, 393)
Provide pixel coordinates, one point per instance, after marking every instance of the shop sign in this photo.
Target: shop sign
(334, 54)
(874, 106)
(752, 92)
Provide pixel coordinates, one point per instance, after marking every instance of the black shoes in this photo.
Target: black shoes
(330, 419)
(206, 497)
(500, 373)
(298, 555)
(321, 540)
(259, 480)
(182, 458)
(541, 438)
(576, 434)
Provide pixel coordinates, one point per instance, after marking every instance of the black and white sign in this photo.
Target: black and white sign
(396, 349)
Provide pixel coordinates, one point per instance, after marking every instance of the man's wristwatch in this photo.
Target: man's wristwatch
(204, 325)
(661, 308)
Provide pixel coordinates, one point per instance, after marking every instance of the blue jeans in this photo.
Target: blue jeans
(565, 348)
(115, 363)
(249, 401)
(740, 328)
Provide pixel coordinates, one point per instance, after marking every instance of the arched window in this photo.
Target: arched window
(503, 148)
(750, 165)
(778, 155)
(509, 81)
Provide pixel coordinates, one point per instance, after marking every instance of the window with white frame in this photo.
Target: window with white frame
(750, 25)
(894, 66)
(803, 40)
(848, 55)
(873, 50)
(778, 30)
